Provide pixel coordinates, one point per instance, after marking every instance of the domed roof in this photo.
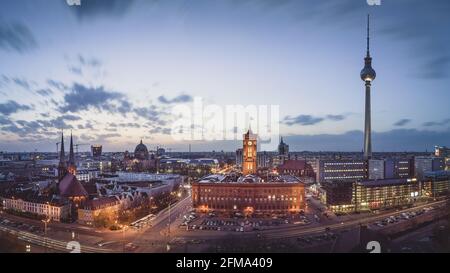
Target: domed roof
(141, 151)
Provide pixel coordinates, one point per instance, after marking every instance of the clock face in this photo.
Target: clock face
(249, 143)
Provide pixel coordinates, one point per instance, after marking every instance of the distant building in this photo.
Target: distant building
(141, 152)
(96, 150)
(423, 164)
(283, 148)
(264, 160)
(341, 170)
(441, 151)
(239, 158)
(86, 175)
(101, 165)
(298, 168)
(376, 169)
(399, 168)
(160, 151)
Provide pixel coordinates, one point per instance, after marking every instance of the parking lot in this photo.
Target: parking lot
(239, 223)
(400, 217)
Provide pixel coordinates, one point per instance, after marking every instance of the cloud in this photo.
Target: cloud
(16, 37)
(70, 117)
(88, 125)
(402, 122)
(46, 92)
(5, 120)
(90, 62)
(160, 130)
(23, 83)
(101, 8)
(81, 98)
(129, 124)
(179, 99)
(306, 120)
(57, 84)
(76, 70)
(437, 123)
(152, 114)
(336, 117)
(302, 120)
(11, 107)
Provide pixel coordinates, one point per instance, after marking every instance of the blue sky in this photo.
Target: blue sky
(112, 69)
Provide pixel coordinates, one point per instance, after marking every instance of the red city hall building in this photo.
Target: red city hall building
(249, 194)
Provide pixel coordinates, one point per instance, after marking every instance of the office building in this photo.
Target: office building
(341, 170)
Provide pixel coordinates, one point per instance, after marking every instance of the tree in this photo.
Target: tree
(104, 219)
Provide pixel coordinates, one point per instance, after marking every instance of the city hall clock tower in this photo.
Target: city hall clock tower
(249, 153)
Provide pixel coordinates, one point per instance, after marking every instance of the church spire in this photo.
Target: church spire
(71, 154)
(62, 156)
(72, 167)
(62, 170)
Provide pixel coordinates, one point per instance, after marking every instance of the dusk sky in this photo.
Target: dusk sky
(111, 70)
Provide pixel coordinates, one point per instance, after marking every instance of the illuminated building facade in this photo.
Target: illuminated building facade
(248, 194)
(384, 194)
(441, 151)
(341, 170)
(105, 206)
(368, 195)
(56, 211)
(339, 197)
(249, 153)
(436, 184)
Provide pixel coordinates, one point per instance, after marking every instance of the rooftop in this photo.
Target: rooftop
(386, 182)
(250, 178)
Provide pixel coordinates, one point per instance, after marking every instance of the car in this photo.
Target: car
(130, 246)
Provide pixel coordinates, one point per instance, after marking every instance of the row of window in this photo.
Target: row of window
(270, 198)
(248, 192)
(258, 207)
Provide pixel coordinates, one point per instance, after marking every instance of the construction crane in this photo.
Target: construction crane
(79, 144)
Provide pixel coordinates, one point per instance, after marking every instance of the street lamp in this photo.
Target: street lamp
(45, 221)
(123, 227)
(168, 231)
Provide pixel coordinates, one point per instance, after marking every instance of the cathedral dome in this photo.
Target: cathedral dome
(141, 151)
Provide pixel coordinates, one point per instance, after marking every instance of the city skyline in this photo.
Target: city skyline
(68, 76)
